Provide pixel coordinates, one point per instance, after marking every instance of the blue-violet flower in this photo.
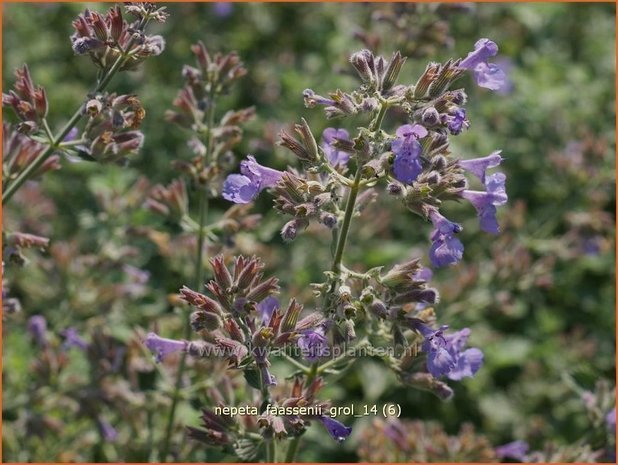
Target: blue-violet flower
(162, 347)
(479, 166)
(244, 188)
(487, 75)
(485, 202)
(313, 344)
(445, 248)
(337, 430)
(445, 354)
(37, 327)
(407, 150)
(334, 156)
(73, 339)
(513, 450)
(266, 308)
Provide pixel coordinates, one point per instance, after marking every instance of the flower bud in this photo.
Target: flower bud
(363, 63)
(347, 328)
(427, 382)
(290, 229)
(432, 178)
(367, 295)
(201, 320)
(430, 117)
(459, 97)
(439, 162)
(392, 71)
(263, 290)
(394, 188)
(378, 308)
(328, 219)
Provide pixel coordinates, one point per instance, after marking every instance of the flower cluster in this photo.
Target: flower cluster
(107, 38)
(193, 107)
(111, 133)
(244, 321)
(19, 152)
(29, 102)
(169, 201)
(14, 243)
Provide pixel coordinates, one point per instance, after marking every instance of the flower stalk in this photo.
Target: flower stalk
(197, 282)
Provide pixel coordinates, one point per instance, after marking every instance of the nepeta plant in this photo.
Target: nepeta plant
(104, 129)
(389, 313)
(111, 132)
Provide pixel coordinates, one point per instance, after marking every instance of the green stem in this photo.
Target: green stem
(337, 268)
(347, 220)
(296, 363)
(290, 455)
(270, 451)
(342, 357)
(197, 283)
(56, 140)
(378, 121)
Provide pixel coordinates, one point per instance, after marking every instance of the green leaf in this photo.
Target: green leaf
(253, 378)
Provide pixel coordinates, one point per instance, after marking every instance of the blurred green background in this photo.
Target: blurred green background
(539, 298)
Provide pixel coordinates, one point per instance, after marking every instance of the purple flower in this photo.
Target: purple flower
(244, 188)
(487, 75)
(71, 136)
(423, 274)
(610, 420)
(313, 344)
(445, 248)
(445, 354)
(479, 166)
(73, 339)
(338, 431)
(37, 327)
(335, 157)
(267, 377)
(485, 202)
(162, 347)
(407, 150)
(312, 99)
(506, 65)
(239, 189)
(457, 121)
(222, 9)
(513, 450)
(397, 433)
(266, 308)
(107, 430)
